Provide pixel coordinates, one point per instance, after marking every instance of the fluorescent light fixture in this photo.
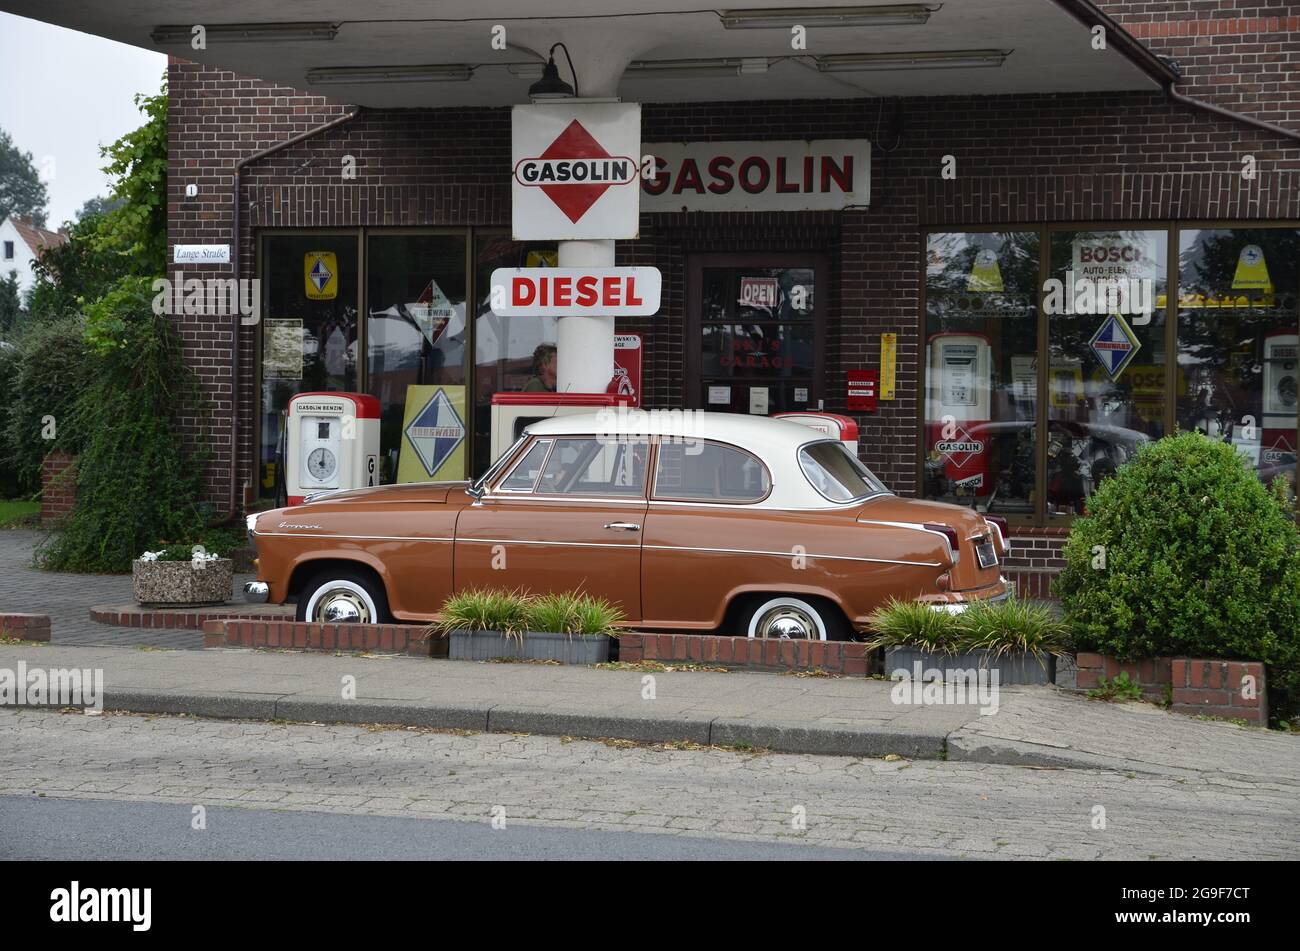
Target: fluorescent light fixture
(900, 14)
(691, 68)
(937, 59)
(352, 75)
(246, 33)
(531, 71)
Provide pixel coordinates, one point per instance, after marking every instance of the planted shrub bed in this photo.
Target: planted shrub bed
(571, 628)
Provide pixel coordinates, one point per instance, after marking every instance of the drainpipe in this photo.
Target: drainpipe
(236, 501)
(1175, 96)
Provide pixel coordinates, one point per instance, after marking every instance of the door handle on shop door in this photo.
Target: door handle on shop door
(623, 526)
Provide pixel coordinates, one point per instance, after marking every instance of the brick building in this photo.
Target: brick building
(1172, 158)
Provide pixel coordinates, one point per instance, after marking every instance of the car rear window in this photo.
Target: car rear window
(709, 471)
(836, 473)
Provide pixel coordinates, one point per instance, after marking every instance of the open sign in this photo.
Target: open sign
(760, 292)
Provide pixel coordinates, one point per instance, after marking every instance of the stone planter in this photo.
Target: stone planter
(1013, 669)
(493, 645)
(168, 583)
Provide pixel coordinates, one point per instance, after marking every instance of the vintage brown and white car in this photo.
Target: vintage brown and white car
(689, 521)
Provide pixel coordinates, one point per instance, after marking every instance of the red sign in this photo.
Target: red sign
(566, 291)
(627, 367)
(862, 390)
(575, 170)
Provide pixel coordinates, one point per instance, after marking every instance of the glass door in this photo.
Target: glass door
(755, 330)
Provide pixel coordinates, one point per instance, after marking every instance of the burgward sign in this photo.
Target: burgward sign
(575, 171)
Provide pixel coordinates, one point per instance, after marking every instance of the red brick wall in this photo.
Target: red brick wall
(1034, 158)
(58, 486)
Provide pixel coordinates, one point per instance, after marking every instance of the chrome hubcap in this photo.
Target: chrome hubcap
(340, 606)
(787, 623)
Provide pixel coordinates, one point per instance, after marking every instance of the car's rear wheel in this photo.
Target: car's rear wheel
(791, 618)
(338, 596)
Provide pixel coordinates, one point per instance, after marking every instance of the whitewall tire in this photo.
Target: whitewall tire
(787, 618)
(343, 597)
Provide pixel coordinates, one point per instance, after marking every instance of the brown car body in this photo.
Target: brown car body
(670, 562)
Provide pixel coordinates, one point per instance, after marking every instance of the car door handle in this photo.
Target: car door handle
(623, 526)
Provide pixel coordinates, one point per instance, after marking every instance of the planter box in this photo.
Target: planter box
(493, 645)
(167, 583)
(1013, 669)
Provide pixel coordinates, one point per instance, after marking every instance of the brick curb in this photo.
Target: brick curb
(173, 619)
(25, 627)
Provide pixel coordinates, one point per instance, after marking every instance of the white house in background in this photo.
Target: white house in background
(21, 241)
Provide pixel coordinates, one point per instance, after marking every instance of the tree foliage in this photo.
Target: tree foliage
(137, 163)
(21, 190)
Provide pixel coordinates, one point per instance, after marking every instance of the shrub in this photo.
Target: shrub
(1184, 552)
(44, 377)
(997, 626)
(136, 481)
(514, 612)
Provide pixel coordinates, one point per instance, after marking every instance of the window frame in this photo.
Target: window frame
(1173, 229)
(611, 496)
(697, 500)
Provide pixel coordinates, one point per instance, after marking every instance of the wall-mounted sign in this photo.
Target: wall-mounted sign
(801, 175)
(861, 396)
(758, 400)
(575, 170)
(201, 254)
(719, 396)
(575, 291)
(888, 365)
(320, 273)
(627, 367)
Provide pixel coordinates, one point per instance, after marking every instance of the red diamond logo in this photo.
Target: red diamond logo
(575, 198)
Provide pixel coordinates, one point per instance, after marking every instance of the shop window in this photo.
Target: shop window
(1105, 308)
(759, 327)
(709, 472)
(415, 331)
(1237, 341)
(981, 356)
(511, 354)
(310, 296)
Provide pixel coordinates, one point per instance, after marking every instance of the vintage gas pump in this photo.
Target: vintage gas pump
(332, 442)
(959, 406)
(1278, 446)
(511, 412)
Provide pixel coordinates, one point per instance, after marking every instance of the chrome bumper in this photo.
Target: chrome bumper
(256, 592)
(957, 607)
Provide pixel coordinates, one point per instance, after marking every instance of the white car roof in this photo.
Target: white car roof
(775, 441)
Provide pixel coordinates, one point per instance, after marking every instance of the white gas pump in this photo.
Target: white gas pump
(1280, 374)
(959, 405)
(332, 443)
(829, 424)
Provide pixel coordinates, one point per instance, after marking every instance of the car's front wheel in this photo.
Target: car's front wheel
(337, 596)
(792, 618)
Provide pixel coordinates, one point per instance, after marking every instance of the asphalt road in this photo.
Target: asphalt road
(32, 828)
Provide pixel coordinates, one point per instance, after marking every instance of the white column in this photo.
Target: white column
(585, 344)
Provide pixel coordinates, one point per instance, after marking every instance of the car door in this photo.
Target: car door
(567, 517)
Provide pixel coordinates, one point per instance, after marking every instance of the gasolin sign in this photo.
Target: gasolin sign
(575, 171)
(575, 291)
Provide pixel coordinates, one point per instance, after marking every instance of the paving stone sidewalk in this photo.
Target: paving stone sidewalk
(856, 717)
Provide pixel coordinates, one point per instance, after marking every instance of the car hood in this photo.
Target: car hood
(404, 492)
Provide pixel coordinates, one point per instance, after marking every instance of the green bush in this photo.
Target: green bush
(1184, 552)
(998, 626)
(514, 612)
(44, 376)
(137, 483)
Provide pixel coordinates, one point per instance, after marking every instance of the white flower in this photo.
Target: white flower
(150, 556)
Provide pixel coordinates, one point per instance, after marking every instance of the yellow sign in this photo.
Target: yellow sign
(888, 364)
(433, 434)
(320, 273)
(542, 259)
(985, 275)
(1252, 271)
(1065, 384)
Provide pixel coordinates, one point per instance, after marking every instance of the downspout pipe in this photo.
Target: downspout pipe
(236, 501)
(1162, 70)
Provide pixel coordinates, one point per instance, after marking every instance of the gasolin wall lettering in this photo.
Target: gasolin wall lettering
(816, 175)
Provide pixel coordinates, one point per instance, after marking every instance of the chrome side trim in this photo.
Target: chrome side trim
(523, 541)
(790, 554)
(377, 538)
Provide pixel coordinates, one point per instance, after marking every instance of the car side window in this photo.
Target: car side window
(589, 466)
(710, 472)
(523, 476)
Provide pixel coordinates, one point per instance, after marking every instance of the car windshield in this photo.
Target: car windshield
(836, 473)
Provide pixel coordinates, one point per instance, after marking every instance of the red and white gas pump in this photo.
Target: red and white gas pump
(829, 424)
(1278, 445)
(958, 409)
(332, 443)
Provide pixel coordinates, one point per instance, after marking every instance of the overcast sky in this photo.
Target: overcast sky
(63, 95)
